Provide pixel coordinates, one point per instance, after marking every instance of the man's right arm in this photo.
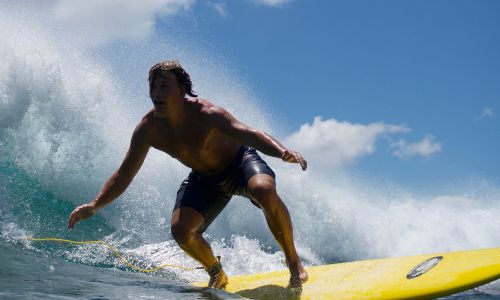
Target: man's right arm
(120, 180)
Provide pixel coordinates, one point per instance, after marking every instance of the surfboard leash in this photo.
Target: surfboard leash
(116, 252)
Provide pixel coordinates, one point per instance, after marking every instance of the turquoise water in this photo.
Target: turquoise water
(47, 270)
(29, 274)
(66, 116)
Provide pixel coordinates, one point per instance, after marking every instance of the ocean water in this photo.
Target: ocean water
(66, 117)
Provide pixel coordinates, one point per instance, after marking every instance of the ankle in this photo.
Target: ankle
(215, 269)
(293, 262)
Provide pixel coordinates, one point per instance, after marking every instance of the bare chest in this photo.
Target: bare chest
(194, 146)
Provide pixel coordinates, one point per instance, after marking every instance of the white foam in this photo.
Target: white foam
(66, 120)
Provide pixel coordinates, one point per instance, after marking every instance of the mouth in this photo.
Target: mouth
(158, 103)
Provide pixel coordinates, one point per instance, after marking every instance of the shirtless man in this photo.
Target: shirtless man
(220, 150)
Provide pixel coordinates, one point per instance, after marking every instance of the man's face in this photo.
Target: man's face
(163, 88)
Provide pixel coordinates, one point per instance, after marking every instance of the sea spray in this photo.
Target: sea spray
(66, 121)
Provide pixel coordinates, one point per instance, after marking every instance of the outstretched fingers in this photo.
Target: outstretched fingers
(82, 212)
(73, 218)
(294, 157)
(301, 160)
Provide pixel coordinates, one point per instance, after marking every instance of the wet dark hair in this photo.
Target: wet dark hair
(176, 68)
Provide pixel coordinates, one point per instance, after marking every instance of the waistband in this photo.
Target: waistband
(226, 173)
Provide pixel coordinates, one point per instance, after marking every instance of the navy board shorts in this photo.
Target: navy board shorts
(208, 195)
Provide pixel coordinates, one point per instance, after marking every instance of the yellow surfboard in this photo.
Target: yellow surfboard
(413, 277)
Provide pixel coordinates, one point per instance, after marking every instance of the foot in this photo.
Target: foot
(218, 278)
(298, 275)
(218, 281)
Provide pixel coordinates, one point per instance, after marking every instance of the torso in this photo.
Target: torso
(194, 142)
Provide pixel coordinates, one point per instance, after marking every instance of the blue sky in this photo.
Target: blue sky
(407, 91)
(432, 66)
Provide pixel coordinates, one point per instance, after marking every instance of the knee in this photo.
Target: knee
(181, 234)
(263, 191)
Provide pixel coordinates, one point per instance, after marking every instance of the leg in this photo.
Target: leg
(186, 223)
(262, 189)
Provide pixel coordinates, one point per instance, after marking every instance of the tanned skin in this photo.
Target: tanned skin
(205, 138)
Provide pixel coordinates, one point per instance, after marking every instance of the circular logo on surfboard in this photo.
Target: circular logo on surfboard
(424, 267)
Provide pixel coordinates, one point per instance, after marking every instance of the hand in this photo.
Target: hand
(82, 212)
(294, 157)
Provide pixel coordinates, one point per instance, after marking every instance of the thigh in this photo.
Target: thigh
(187, 218)
(253, 164)
(254, 170)
(203, 197)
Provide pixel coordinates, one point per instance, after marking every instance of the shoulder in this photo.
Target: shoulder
(144, 129)
(148, 117)
(206, 109)
(146, 122)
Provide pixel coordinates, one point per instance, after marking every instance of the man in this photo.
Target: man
(217, 147)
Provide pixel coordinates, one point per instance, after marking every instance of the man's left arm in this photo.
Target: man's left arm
(260, 140)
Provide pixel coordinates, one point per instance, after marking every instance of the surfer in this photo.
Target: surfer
(220, 150)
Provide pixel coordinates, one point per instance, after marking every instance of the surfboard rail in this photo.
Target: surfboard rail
(411, 277)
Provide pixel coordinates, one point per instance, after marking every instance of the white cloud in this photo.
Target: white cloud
(426, 147)
(330, 143)
(487, 113)
(220, 8)
(273, 3)
(98, 21)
